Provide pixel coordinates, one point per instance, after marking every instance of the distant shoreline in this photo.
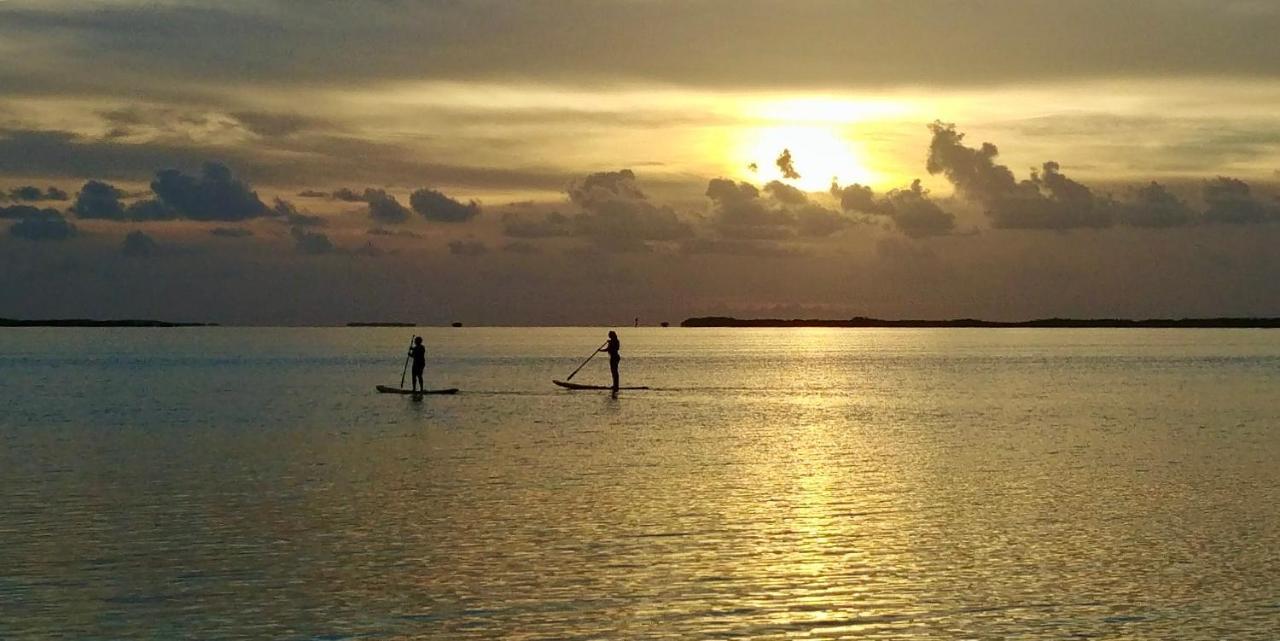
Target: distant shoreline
(89, 322)
(1058, 323)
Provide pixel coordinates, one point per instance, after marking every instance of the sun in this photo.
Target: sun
(819, 154)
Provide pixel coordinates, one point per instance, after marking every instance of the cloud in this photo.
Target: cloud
(399, 233)
(697, 246)
(313, 193)
(436, 206)
(98, 199)
(1051, 200)
(740, 211)
(911, 210)
(1231, 201)
(230, 232)
(1154, 206)
(348, 195)
(550, 225)
(312, 243)
(384, 208)
(272, 125)
(618, 216)
(214, 195)
(31, 193)
(468, 248)
(521, 247)
(37, 224)
(139, 245)
(786, 166)
(290, 215)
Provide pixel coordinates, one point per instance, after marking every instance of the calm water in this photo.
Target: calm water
(934, 484)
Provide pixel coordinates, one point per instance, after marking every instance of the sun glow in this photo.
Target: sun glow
(819, 154)
(818, 131)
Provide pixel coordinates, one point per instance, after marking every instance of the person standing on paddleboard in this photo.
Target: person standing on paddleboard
(419, 354)
(612, 348)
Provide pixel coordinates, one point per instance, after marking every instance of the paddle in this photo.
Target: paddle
(584, 363)
(406, 362)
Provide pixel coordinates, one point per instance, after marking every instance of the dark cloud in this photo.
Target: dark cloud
(827, 43)
(1047, 200)
(347, 195)
(618, 216)
(98, 199)
(1154, 206)
(521, 247)
(272, 125)
(139, 245)
(149, 209)
(313, 193)
(1051, 200)
(31, 193)
(911, 210)
(1231, 201)
(438, 207)
(740, 211)
(37, 224)
(786, 165)
(384, 208)
(468, 248)
(308, 242)
(399, 233)
(231, 232)
(289, 214)
(214, 195)
(915, 214)
(785, 194)
(550, 225)
(697, 246)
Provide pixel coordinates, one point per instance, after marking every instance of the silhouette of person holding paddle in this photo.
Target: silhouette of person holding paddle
(612, 347)
(419, 355)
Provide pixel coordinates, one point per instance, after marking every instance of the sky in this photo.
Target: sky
(596, 161)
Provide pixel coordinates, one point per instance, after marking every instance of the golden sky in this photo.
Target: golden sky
(507, 142)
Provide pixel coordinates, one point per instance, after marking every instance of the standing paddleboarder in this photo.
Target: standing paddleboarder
(419, 355)
(612, 347)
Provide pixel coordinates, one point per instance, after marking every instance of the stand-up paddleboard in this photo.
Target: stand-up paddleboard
(396, 390)
(575, 386)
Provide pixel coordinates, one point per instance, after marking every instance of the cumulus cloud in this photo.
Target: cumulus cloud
(550, 225)
(436, 206)
(213, 195)
(521, 247)
(399, 233)
(911, 210)
(290, 215)
(384, 207)
(37, 224)
(1231, 201)
(31, 193)
(1048, 199)
(98, 199)
(468, 248)
(308, 242)
(787, 166)
(313, 193)
(139, 245)
(741, 211)
(230, 232)
(617, 215)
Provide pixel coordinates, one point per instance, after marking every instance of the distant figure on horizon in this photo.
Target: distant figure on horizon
(419, 354)
(612, 348)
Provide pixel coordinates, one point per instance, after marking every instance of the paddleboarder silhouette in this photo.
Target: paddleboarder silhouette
(419, 354)
(612, 347)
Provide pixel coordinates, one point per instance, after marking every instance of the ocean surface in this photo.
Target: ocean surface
(232, 483)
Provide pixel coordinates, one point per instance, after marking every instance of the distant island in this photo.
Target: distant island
(89, 322)
(381, 325)
(860, 321)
